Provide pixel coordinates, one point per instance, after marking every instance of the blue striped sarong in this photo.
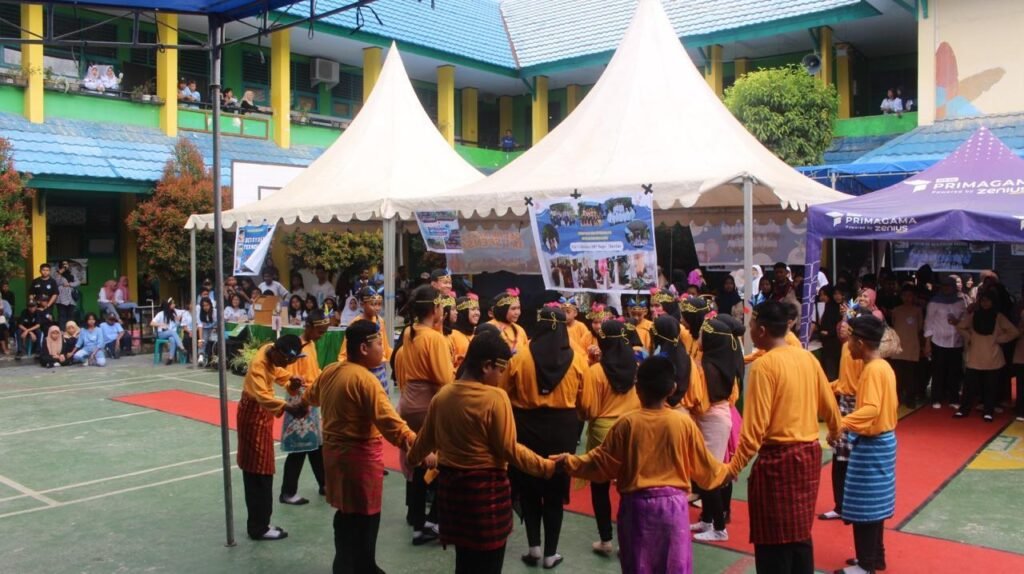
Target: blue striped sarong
(381, 373)
(870, 494)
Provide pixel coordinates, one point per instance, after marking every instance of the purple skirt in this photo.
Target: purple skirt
(654, 532)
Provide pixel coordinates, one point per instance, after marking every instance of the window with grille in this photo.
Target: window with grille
(350, 87)
(71, 24)
(300, 80)
(255, 71)
(195, 65)
(428, 98)
(145, 56)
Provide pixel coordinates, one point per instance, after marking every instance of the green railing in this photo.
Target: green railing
(880, 125)
(200, 120)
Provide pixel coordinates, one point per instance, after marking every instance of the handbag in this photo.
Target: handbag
(890, 345)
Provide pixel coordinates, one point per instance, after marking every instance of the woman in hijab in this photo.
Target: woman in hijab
(614, 395)
(71, 332)
(467, 317)
(696, 279)
(720, 366)
(828, 317)
(729, 301)
(764, 291)
(550, 388)
(693, 310)
(866, 304)
(351, 311)
(984, 330)
(54, 351)
(665, 335)
(108, 297)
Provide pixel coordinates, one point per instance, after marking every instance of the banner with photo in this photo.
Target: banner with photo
(440, 231)
(942, 255)
(252, 243)
(596, 243)
(494, 250)
(721, 244)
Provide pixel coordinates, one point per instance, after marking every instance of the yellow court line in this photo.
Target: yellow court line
(1005, 452)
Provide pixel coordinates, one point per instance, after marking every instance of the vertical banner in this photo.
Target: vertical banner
(596, 243)
(440, 231)
(252, 242)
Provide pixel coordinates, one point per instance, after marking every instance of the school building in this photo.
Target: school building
(480, 68)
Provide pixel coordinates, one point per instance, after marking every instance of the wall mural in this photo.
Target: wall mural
(954, 96)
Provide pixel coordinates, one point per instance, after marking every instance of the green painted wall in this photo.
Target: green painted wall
(12, 99)
(313, 135)
(875, 125)
(98, 108)
(489, 159)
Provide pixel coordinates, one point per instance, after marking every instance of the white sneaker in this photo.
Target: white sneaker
(936, 405)
(954, 405)
(701, 526)
(712, 536)
(202, 361)
(1020, 419)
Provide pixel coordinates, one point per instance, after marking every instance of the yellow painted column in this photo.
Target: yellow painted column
(32, 62)
(573, 95)
(714, 74)
(371, 69)
(129, 248)
(282, 262)
(470, 116)
(740, 67)
(167, 73)
(504, 114)
(827, 58)
(539, 110)
(844, 79)
(446, 103)
(37, 221)
(281, 87)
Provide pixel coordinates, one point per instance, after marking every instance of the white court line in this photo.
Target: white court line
(117, 492)
(150, 379)
(22, 431)
(73, 385)
(49, 502)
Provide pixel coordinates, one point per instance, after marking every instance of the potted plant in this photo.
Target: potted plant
(304, 114)
(239, 364)
(50, 80)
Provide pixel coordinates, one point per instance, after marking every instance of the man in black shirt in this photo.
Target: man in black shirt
(31, 324)
(44, 289)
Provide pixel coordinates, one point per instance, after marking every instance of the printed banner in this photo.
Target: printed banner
(594, 244)
(722, 243)
(494, 250)
(440, 231)
(942, 255)
(252, 242)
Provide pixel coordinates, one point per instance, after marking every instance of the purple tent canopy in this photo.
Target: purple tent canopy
(975, 194)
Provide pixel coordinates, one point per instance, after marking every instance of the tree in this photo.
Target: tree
(185, 188)
(790, 111)
(14, 220)
(338, 252)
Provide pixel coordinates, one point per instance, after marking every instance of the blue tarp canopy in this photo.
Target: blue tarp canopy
(228, 9)
(861, 178)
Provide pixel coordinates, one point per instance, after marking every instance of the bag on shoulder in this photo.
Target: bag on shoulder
(890, 345)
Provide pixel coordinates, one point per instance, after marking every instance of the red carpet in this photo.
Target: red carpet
(932, 449)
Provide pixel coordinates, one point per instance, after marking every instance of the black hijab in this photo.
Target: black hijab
(549, 346)
(738, 329)
(726, 300)
(720, 348)
(464, 305)
(985, 319)
(617, 358)
(694, 309)
(832, 315)
(665, 335)
(669, 302)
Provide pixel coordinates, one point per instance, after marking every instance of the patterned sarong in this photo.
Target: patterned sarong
(781, 492)
(412, 406)
(381, 373)
(301, 435)
(847, 404)
(654, 532)
(255, 437)
(474, 508)
(715, 425)
(355, 476)
(870, 493)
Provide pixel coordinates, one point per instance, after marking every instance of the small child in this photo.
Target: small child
(652, 453)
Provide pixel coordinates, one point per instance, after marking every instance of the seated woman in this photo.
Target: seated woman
(6, 317)
(296, 311)
(166, 324)
(89, 348)
(55, 350)
(235, 311)
(207, 330)
(121, 298)
(108, 297)
(71, 333)
(248, 103)
(111, 82)
(92, 81)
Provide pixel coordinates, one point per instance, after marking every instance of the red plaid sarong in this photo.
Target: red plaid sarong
(782, 491)
(255, 437)
(474, 508)
(355, 476)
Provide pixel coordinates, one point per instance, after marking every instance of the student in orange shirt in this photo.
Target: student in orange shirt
(468, 309)
(505, 311)
(655, 455)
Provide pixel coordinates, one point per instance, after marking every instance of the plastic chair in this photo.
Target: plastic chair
(158, 345)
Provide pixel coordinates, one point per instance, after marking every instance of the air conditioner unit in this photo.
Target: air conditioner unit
(324, 72)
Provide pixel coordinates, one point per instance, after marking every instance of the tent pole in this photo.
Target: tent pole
(388, 228)
(216, 42)
(748, 250)
(192, 293)
(835, 265)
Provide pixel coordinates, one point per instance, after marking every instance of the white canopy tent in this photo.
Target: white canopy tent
(391, 150)
(650, 119)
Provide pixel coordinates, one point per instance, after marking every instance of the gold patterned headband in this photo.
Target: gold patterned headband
(663, 297)
(709, 329)
(468, 305)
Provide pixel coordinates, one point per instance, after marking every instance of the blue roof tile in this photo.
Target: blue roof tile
(933, 143)
(848, 149)
(77, 148)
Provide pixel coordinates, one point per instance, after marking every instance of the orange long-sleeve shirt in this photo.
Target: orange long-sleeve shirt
(576, 391)
(260, 380)
(786, 393)
(385, 337)
(651, 448)
(877, 404)
(460, 345)
(643, 330)
(354, 408)
(849, 373)
(513, 334)
(607, 403)
(580, 337)
(470, 425)
(307, 368)
(427, 357)
(791, 339)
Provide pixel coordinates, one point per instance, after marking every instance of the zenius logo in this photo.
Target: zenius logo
(837, 217)
(919, 184)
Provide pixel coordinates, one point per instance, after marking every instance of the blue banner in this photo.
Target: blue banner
(252, 242)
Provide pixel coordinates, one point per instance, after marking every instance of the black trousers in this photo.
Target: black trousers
(839, 482)
(479, 561)
(727, 500)
(259, 501)
(906, 380)
(541, 501)
(65, 313)
(980, 383)
(868, 541)
(293, 469)
(947, 374)
(831, 352)
(355, 543)
(792, 558)
(416, 498)
(924, 374)
(602, 503)
(712, 507)
(1018, 370)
